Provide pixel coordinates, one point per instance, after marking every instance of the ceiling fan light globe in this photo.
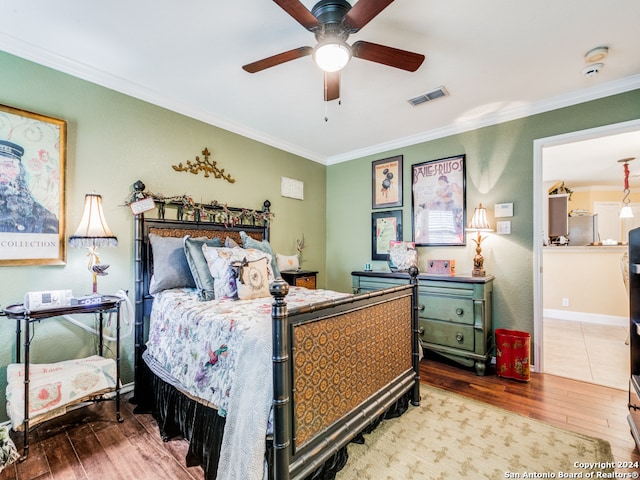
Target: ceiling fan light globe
(332, 56)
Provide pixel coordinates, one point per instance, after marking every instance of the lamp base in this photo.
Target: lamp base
(478, 272)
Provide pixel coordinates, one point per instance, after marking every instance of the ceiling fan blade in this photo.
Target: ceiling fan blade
(390, 56)
(299, 12)
(362, 13)
(278, 59)
(331, 86)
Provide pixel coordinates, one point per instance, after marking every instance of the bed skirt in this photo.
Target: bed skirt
(179, 415)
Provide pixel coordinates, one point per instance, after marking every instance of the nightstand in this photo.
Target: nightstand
(300, 278)
(28, 319)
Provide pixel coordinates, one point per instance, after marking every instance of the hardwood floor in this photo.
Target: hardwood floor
(89, 444)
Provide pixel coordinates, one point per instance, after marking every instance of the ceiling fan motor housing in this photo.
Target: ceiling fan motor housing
(330, 14)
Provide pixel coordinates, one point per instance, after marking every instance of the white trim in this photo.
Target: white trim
(580, 96)
(538, 146)
(63, 64)
(611, 320)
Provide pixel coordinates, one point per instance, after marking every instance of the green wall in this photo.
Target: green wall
(499, 169)
(114, 140)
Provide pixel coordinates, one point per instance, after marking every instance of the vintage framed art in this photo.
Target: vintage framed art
(32, 171)
(385, 228)
(439, 202)
(386, 186)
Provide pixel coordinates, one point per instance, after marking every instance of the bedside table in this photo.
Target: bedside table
(28, 319)
(300, 278)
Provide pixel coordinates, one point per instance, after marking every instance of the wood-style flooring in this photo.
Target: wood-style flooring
(88, 443)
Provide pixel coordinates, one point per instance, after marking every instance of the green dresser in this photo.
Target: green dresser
(455, 313)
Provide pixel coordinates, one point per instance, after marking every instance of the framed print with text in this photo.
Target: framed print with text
(386, 178)
(439, 202)
(385, 228)
(32, 170)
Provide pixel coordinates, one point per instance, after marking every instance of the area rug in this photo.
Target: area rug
(451, 437)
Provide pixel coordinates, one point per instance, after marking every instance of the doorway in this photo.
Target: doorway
(539, 197)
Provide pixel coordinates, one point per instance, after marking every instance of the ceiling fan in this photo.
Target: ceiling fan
(332, 21)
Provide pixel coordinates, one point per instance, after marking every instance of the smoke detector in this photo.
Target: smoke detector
(596, 54)
(592, 70)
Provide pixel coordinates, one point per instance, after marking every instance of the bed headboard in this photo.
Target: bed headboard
(173, 217)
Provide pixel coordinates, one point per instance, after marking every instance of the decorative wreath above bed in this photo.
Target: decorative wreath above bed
(213, 211)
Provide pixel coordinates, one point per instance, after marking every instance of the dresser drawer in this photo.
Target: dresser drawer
(300, 278)
(448, 334)
(446, 308)
(308, 281)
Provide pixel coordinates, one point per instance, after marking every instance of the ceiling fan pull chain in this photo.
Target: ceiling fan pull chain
(326, 116)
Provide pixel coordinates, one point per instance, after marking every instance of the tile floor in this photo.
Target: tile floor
(589, 352)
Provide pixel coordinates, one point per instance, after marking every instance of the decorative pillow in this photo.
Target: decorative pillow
(220, 260)
(170, 267)
(264, 246)
(230, 242)
(198, 265)
(252, 279)
(286, 263)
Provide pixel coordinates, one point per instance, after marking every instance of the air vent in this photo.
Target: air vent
(429, 96)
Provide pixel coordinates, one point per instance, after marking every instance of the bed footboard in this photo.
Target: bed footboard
(337, 366)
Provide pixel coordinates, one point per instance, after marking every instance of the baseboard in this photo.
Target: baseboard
(586, 317)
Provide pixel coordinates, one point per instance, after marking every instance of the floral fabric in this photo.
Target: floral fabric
(198, 344)
(54, 386)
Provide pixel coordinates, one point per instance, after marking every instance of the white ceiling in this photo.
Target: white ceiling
(499, 59)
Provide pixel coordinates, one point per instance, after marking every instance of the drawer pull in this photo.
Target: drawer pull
(459, 311)
(421, 331)
(459, 337)
(421, 307)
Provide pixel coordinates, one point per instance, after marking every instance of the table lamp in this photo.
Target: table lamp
(93, 232)
(479, 223)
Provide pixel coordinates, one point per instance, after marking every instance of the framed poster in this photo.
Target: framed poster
(439, 202)
(32, 169)
(385, 228)
(386, 182)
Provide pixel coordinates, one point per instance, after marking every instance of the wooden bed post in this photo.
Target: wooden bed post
(139, 298)
(415, 343)
(281, 381)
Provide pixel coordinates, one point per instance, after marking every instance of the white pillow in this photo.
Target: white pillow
(287, 263)
(219, 260)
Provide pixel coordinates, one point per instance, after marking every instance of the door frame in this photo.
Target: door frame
(538, 151)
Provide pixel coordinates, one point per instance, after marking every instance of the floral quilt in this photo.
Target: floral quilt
(196, 345)
(220, 352)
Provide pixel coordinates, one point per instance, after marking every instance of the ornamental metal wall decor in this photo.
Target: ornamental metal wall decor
(204, 165)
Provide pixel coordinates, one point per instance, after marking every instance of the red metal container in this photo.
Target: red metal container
(513, 354)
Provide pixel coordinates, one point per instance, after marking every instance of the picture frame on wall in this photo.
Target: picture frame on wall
(439, 202)
(386, 182)
(33, 150)
(385, 227)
